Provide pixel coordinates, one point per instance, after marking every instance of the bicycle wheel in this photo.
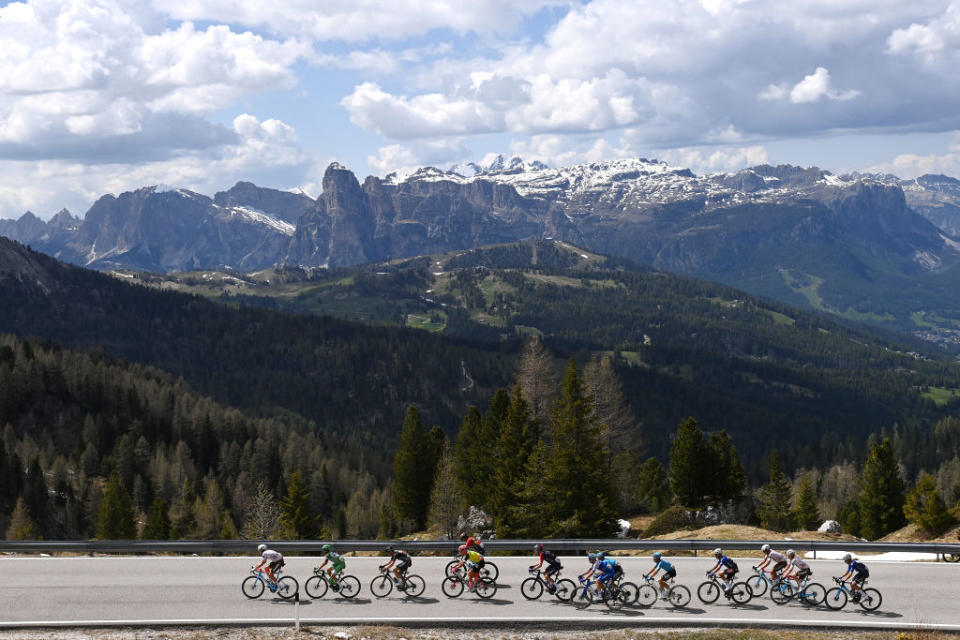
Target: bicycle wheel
(349, 587)
(629, 592)
(287, 587)
(414, 586)
(836, 598)
(758, 585)
(531, 588)
(870, 599)
(490, 570)
(252, 587)
(565, 590)
(583, 598)
(812, 594)
(679, 596)
(781, 593)
(646, 595)
(740, 593)
(452, 586)
(708, 592)
(381, 586)
(316, 587)
(613, 597)
(485, 588)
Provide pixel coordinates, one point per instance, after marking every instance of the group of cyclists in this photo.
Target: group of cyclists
(602, 568)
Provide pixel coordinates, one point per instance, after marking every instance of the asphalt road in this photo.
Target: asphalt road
(157, 590)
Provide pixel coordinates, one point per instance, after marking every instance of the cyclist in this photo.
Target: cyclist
(273, 561)
(798, 569)
(474, 561)
(608, 569)
(471, 543)
(726, 568)
(859, 572)
(669, 571)
(553, 565)
(776, 558)
(404, 561)
(337, 565)
(592, 569)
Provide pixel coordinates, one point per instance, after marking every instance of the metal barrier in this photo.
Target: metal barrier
(245, 547)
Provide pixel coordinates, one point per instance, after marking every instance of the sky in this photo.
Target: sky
(105, 96)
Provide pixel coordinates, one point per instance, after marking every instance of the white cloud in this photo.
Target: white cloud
(408, 158)
(931, 39)
(704, 160)
(911, 165)
(816, 86)
(360, 20)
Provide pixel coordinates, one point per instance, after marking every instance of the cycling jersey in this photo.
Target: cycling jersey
(474, 557)
(799, 564)
(549, 557)
(610, 562)
(857, 567)
(777, 557)
(401, 556)
(728, 563)
(271, 556)
(663, 565)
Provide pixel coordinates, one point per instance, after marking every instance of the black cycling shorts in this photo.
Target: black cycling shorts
(276, 565)
(403, 566)
(804, 574)
(727, 573)
(553, 568)
(669, 574)
(780, 566)
(860, 576)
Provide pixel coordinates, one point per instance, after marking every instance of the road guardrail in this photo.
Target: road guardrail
(948, 551)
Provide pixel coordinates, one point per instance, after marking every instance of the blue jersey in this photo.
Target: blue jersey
(728, 563)
(857, 567)
(664, 565)
(611, 563)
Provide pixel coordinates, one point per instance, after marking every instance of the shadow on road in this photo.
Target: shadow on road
(880, 614)
(419, 600)
(353, 601)
(496, 601)
(749, 607)
(626, 613)
(685, 610)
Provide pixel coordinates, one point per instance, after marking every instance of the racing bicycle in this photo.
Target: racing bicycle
(411, 585)
(317, 585)
(255, 584)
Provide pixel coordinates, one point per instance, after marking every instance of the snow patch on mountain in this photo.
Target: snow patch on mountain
(259, 217)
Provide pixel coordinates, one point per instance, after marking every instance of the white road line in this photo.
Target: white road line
(488, 622)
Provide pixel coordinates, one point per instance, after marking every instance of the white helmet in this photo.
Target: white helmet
(847, 558)
(261, 548)
(791, 553)
(765, 548)
(718, 551)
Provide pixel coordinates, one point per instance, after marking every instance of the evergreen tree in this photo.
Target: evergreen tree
(116, 519)
(726, 478)
(925, 508)
(182, 513)
(653, 486)
(446, 503)
(36, 498)
(578, 465)
(533, 515)
(295, 516)
(805, 511)
(21, 525)
(688, 465)
(468, 452)
(518, 436)
(848, 515)
(157, 526)
(882, 490)
(775, 497)
(412, 477)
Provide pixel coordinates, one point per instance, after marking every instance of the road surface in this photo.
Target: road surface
(206, 590)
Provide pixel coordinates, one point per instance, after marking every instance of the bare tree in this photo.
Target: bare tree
(609, 405)
(262, 515)
(538, 380)
(446, 502)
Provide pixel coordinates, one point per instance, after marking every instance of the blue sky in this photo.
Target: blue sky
(103, 96)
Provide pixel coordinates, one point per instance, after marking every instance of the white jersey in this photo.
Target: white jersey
(777, 557)
(271, 556)
(799, 563)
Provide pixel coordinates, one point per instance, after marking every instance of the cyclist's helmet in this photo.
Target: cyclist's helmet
(718, 552)
(463, 549)
(847, 558)
(765, 548)
(791, 553)
(656, 555)
(538, 547)
(591, 557)
(463, 536)
(601, 555)
(389, 548)
(261, 548)
(325, 548)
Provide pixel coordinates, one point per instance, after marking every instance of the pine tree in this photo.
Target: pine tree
(775, 497)
(653, 485)
(726, 478)
(688, 465)
(295, 516)
(533, 515)
(157, 526)
(446, 503)
(805, 510)
(538, 380)
(578, 465)
(36, 497)
(925, 508)
(518, 436)
(116, 519)
(882, 491)
(21, 525)
(468, 451)
(412, 481)
(848, 515)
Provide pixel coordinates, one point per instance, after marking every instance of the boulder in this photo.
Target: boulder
(830, 526)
